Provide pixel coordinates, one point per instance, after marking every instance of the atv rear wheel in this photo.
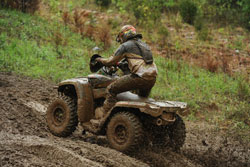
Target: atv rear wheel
(62, 116)
(124, 132)
(177, 133)
(173, 136)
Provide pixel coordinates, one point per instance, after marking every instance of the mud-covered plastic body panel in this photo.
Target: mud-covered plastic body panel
(85, 98)
(77, 83)
(148, 105)
(100, 81)
(92, 87)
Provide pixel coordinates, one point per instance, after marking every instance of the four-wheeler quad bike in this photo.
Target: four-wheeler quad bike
(133, 121)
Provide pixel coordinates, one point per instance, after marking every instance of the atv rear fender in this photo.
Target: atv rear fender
(80, 89)
(163, 113)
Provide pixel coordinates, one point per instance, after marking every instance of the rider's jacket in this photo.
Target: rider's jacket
(133, 54)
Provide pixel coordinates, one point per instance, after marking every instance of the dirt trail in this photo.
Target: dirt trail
(26, 141)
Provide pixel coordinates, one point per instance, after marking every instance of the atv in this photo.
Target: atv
(132, 122)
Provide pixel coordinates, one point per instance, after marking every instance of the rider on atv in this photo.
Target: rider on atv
(130, 122)
(143, 70)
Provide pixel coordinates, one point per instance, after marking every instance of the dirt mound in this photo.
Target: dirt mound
(18, 150)
(26, 141)
(16, 117)
(209, 147)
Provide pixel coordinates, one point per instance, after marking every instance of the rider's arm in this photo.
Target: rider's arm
(113, 60)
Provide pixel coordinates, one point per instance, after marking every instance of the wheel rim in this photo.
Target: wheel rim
(120, 134)
(58, 116)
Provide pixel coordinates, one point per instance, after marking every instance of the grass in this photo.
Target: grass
(31, 46)
(36, 47)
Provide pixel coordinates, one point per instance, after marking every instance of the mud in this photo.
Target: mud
(210, 147)
(26, 141)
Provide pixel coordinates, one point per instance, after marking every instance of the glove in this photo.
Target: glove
(99, 59)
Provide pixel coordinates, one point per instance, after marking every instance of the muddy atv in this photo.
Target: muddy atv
(133, 121)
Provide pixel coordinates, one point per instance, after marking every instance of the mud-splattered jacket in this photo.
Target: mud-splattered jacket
(131, 52)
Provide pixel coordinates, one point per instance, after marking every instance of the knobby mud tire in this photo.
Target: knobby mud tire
(69, 122)
(171, 136)
(177, 134)
(133, 132)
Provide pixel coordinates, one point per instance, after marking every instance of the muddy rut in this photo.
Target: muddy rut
(26, 141)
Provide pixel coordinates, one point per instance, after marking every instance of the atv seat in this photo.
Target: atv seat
(128, 96)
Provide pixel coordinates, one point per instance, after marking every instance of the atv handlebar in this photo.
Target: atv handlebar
(96, 66)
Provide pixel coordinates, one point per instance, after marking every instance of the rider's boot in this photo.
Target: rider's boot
(99, 114)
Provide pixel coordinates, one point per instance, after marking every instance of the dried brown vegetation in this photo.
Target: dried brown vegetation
(225, 64)
(80, 17)
(86, 23)
(58, 38)
(211, 58)
(90, 31)
(104, 35)
(211, 64)
(66, 18)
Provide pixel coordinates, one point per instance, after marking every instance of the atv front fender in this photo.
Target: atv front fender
(83, 91)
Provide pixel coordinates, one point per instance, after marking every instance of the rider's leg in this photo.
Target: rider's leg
(123, 84)
(146, 89)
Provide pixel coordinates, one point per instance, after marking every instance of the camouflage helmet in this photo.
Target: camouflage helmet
(126, 33)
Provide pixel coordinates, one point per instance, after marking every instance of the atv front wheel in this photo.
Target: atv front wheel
(124, 132)
(62, 116)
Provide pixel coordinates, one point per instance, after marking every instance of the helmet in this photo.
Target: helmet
(126, 33)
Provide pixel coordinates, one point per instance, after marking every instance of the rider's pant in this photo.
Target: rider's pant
(127, 83)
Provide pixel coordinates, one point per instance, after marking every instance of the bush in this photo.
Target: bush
(23, 5)
(201, 28)
(170, 6)
(204, 34)
(188, 11)
(103, 3)
(199, 23)
(227, 11)
(163, 35)
(143, 10)
(246, 13)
